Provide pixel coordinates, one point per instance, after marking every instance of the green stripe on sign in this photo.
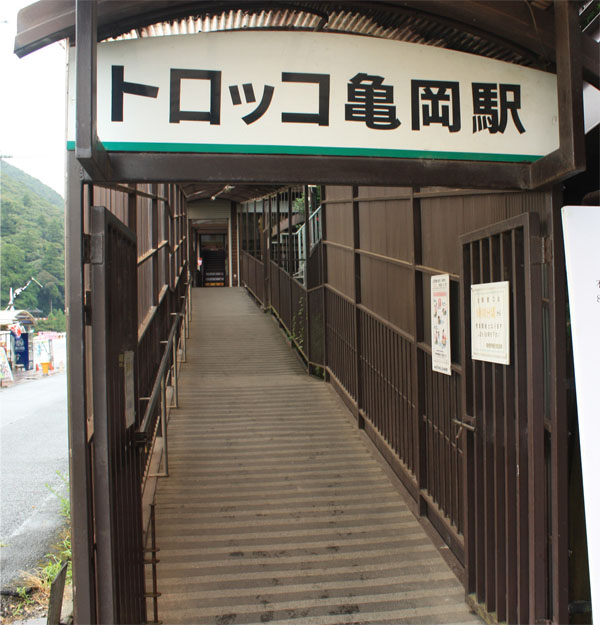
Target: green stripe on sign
(216, 148)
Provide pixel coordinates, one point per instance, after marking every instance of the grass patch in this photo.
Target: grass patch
(34, 595)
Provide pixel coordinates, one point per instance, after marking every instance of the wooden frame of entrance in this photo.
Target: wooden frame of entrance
(91, 162)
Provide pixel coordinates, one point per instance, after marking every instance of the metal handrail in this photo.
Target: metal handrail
(144, 429)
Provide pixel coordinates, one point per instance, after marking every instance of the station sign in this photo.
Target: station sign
(267, 92)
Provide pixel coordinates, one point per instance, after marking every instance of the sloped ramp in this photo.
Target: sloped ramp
(275, 511)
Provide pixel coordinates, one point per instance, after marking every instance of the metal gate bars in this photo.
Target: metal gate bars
(506, 501)
(116, 456)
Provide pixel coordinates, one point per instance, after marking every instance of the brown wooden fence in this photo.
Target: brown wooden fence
(270, 268)
(132, 292)
(458, 460)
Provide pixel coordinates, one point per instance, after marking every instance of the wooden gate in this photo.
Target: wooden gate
(116, 474)
(505, 481)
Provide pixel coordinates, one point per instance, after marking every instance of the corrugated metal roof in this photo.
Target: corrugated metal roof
(370, 20)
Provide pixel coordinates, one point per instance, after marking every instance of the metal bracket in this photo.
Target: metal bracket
(537, 250)
(87, 249)
(97, 249)
(463, 424)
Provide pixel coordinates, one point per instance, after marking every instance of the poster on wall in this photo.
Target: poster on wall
(440, 324)
(490, 322)
(581, 226)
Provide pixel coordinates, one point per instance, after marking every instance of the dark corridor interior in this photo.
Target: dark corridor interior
(212, 252)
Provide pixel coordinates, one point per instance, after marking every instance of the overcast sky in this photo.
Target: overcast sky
(32, 106)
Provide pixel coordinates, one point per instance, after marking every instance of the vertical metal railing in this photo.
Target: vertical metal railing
(167, 376)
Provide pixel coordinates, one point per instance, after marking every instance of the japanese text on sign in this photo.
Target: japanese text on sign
(368, 101)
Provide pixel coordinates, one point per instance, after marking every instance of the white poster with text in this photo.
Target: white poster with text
(440, 324)
(490, 322)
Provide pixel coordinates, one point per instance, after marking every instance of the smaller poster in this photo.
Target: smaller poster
(490, 322)
(440, 324)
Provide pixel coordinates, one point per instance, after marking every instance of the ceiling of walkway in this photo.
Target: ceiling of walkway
(515, 31)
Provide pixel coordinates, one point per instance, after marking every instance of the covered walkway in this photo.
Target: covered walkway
(275, 509)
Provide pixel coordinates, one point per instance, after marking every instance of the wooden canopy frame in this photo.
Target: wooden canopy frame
(576, 57)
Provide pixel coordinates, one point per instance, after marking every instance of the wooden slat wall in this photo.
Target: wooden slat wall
(405, 236)
(381, 247)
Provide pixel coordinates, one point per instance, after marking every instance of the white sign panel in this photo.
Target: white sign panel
(318, 93)
(490, 322)
(440, 324)
(581, 226)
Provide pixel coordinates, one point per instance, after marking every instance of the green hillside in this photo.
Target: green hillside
(32, 231)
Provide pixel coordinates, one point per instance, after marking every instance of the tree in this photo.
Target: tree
(56, 322)
(32, 228)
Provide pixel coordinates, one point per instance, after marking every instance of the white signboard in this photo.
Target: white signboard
(581, 225)
(318, 93)
(440, 324)
(490, 322)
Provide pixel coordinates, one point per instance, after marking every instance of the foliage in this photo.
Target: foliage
(65, 503)
(32, 228)
(298, 205)
(590, 16)
(55, 322)
(46, 573)
(36, 592)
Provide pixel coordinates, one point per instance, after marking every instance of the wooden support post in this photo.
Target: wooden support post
(357, 301)
(154, 245)
(278, 232)
(88, 149)
(324, 273)
(417, 384)
(84, 601)
(290, 244)
(569, 159)
(307, 242)
(559, 469)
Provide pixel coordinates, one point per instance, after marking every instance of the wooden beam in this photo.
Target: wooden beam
(88, 150)
(569, 159)
(334, 170)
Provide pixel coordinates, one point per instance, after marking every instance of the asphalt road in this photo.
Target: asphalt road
(33, 452)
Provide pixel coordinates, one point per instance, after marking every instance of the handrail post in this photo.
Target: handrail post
(175, 377)
(184, 336)
(183, 332)
(163, 424)
(188, 303)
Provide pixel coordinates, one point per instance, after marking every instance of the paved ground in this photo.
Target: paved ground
(33, 448)
(275, 510)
